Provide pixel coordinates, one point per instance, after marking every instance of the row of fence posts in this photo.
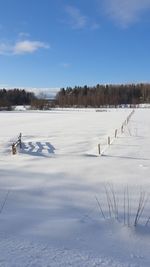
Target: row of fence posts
(16, 144)
(19, 141)
(116, 132)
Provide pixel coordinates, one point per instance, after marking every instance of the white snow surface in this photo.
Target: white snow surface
(49, 215)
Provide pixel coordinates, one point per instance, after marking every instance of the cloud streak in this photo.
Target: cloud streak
(126, 12)
(77, 19)
(21, 47)
(65, 65)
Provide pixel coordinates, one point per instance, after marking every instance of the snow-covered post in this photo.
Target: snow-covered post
(108, 140)
(116, 133)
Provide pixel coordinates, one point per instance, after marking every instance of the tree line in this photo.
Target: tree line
(78, 96)
(103, 95)
(13, 97)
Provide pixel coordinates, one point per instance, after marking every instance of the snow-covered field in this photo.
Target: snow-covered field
(53, 190)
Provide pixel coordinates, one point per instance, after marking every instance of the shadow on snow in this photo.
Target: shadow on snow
(37, 148)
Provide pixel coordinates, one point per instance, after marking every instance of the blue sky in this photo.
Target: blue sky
(59, 43)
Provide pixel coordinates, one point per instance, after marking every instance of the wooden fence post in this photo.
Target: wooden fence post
(19, 139)
(14, 150)
(14, 145)
(108, 140)
(116, 133)
(99, 149)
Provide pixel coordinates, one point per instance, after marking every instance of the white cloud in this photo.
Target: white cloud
(27, 46)
(77, 19)
(21, 47)
(126, 12)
